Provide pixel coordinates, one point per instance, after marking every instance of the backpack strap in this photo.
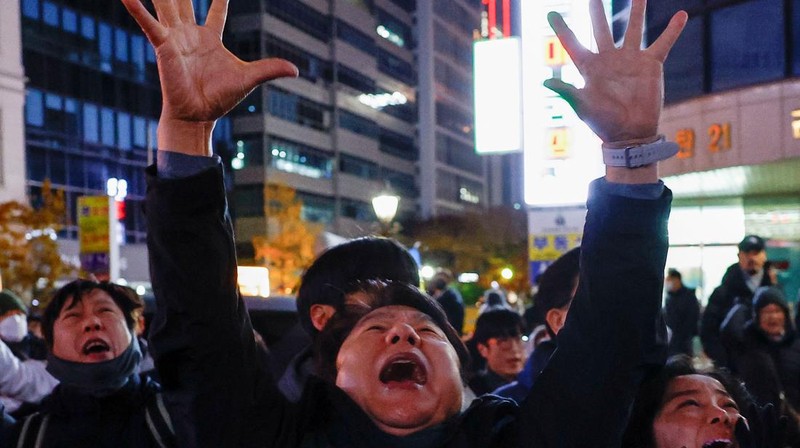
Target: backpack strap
(159, 422)
(33, 431)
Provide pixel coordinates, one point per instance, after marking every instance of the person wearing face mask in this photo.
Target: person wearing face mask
(23, 379)
(14, 328)
(94, 354)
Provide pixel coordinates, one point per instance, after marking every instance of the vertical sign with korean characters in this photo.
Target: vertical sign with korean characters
(98, 244)
(561, 154)
(551, 233)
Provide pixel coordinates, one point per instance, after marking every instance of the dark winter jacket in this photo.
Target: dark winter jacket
(76, 419)
(486, 381)
(453, 306)
(720, 302)
(203, 345)
(682, 313)
(768, 367)
(6, 428)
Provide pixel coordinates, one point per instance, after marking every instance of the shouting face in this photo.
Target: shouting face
(697, 412)
(772, 321)
(399, 367)
(90, 330)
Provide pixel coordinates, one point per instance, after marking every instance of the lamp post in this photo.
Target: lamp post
(385, 206)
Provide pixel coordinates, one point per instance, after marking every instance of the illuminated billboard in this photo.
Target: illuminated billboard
(561, 154)
(498, 96)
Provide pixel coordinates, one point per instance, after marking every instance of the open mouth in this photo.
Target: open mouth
(405, 369)
(719, 443)
(95, 346)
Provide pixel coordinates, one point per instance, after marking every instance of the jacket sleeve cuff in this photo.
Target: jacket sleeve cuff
(175, 165)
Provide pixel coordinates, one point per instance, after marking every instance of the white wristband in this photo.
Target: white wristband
(635, 156)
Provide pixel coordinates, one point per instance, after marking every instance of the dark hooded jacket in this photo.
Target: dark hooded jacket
(770, 368)
(732, 290)
(71, 418)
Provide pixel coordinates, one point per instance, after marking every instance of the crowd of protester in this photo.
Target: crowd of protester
(376, 362)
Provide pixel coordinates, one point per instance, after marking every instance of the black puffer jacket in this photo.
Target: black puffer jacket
(769, 367)
(732, 288)
(682, 313)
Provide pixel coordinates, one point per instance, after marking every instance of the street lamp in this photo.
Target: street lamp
(385, 206)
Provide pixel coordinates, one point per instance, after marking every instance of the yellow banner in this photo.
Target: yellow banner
(93, 224)
(551, 246)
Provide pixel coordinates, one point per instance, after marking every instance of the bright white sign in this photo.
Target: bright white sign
(498, 96)
(561, 154)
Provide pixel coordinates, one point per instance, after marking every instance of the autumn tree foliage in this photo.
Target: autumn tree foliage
(30, 261)
(288, 248)
(485, 242)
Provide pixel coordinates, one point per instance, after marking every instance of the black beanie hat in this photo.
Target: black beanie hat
(766, 295)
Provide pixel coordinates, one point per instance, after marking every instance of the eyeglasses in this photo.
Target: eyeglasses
(508, 341)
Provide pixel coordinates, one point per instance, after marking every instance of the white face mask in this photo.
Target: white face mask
(13, 328)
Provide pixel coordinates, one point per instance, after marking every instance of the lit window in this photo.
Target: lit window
(124, 130)
(30, 9)
(139, 132)
(34, 111)
(107, 126)
(69, 20)
(91, 130)
(121, 39)
(104, 42)
(50, 14)
(87, 27)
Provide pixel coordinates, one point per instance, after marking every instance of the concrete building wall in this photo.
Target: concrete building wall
(434, 166)
(749, 126)
(12, 99)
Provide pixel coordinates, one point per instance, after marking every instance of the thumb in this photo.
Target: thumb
(263, 70)
(567, 91)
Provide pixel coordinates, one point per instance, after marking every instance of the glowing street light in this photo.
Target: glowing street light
(507, 273)
(385, 207)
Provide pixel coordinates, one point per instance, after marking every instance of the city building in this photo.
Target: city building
(379, 106)
(12, 98)
(453, 177)
(733, 106)
(92, 102)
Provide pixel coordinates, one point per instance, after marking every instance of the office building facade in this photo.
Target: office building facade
(341, 133)
(453, 175)
(92, 102)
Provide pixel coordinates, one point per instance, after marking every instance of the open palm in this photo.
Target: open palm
(624, 89)
(200, 79)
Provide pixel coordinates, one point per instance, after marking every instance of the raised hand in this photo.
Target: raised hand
(624, 90)
(763, 428)
(200, 79)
